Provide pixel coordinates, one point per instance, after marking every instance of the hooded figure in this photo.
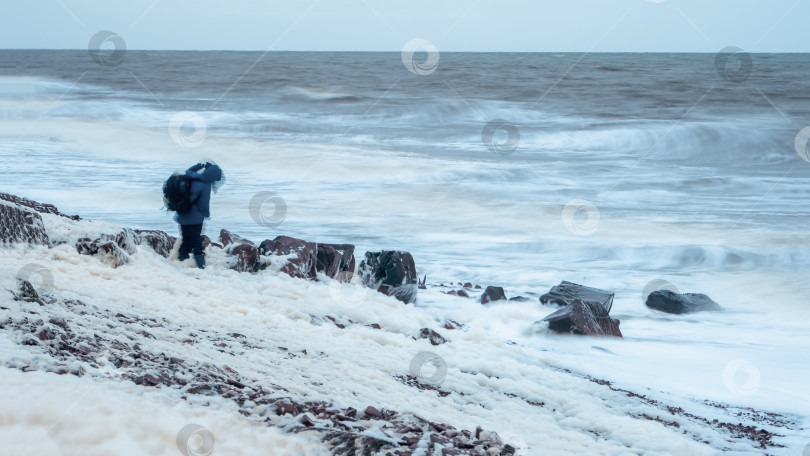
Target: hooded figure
(191, 222)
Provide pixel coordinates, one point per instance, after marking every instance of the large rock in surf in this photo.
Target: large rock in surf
(336, 261)
(303, 255)
(566, 293)
(159, 241)
(21, 225)
(113, 249)
(390, 272)
(247, 257)
(675, 303)
(588, 318)
(227, 238)
(493, 294)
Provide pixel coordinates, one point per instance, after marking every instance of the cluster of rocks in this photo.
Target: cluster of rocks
(48, 326)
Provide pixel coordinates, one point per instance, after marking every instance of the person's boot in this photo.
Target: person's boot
(200, 260)
(182, 256)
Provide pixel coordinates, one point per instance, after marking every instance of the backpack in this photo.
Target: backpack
(177, 193)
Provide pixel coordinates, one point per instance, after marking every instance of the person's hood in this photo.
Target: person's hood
(210, 175)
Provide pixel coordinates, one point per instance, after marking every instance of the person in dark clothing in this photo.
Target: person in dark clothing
(191, 222)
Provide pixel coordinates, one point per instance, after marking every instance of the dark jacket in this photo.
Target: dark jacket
(200, 194)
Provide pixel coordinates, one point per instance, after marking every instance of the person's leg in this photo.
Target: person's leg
(195, 235)
(185, 244)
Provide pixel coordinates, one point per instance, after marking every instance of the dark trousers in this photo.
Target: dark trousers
(192, 241)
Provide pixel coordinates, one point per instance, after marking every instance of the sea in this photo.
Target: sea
(627, 172)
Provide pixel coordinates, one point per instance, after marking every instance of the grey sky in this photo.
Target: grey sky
(376, 25)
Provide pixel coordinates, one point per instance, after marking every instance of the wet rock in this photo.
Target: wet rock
(463, 294)
(227, 238)
(159, 241)
(373, 412)
(303, 258)
(112, 249)
(21, 225)
(567, 292)
(587, 318)
(27, 293)
(392, 273)
(492, 294)
(207, 242)
(247, 257)
(520, 299)
(336, 261)
(434, 337)
(675, 303)
(38, 207)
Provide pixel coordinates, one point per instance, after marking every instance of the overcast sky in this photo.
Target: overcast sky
(386, 25)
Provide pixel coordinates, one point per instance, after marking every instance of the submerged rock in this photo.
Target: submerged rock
(587, 318)
(493, 294)
(159, 241)
(392, 273)
(303, 255)
(336, 261)
(113, 249)
(676, 303)
(566, 293)
(21, 225)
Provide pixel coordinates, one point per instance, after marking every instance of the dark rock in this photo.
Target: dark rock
(227, 238)
(336, 261)
(27, 293)
(675, 303)
(467, 285)
(566, 292)
(423, 283)
(305, 255)
(392, 273)
(519, 299)
(492, 294)
(434, 337)
(373, 412)
(585, 318)
(159, 241)
(450, 324)
(247, 258)
(38, 207)
(19, 225)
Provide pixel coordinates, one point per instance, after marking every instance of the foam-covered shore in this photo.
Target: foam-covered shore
(107, 360)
